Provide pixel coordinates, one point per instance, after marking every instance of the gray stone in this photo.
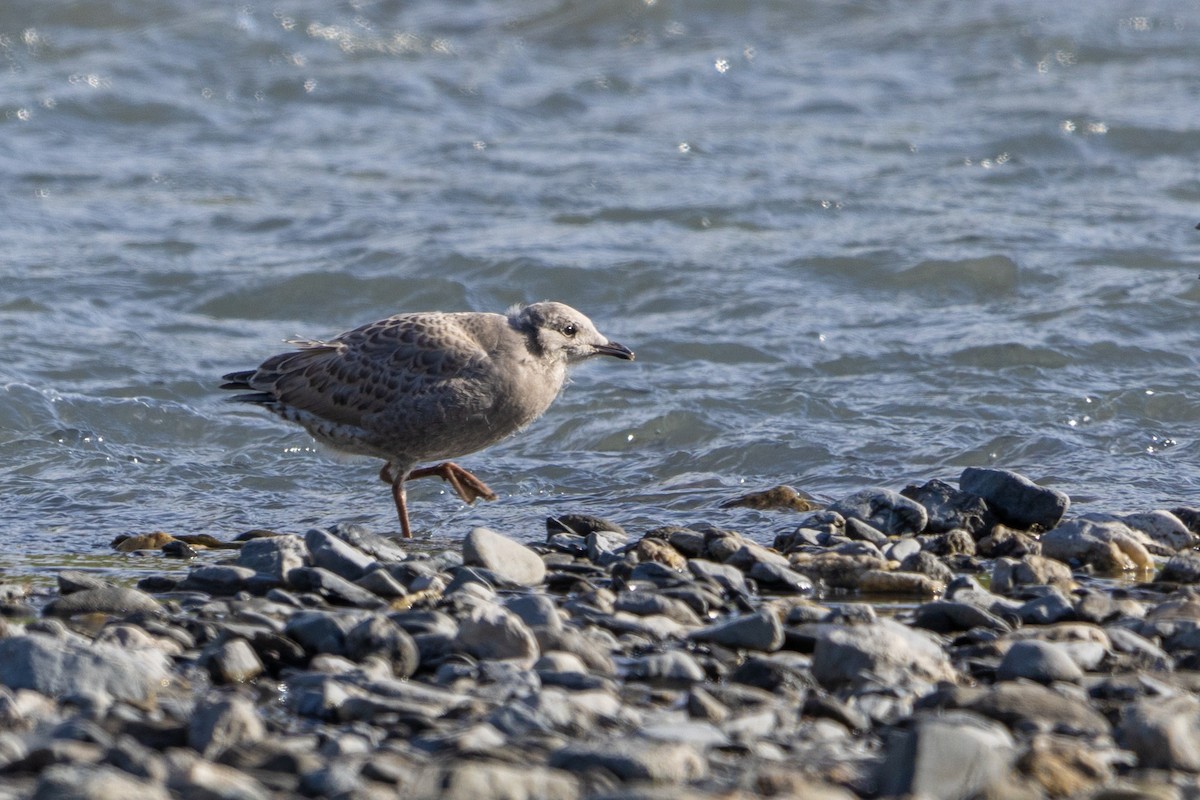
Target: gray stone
(1051, 607)
(59, 667)
(1026, 706)
(758, 631)
(332, 587)
(581, 525)
(1016, 500)
(1164, 732)
(951, 756)
(94, 782)
(223, 723)
(104, 600)
(493, 632)
(320, 631)
(883, 650)
(860, 531)
(232, 661)
(1044, 662)
(673, 668)
(329, 552)
(535, 609)
(647, 603)
(198, 778)
(381, 548)
(380, 636)
(885, 510)
(511, 560)
(219, 579)
(1181, 568)
(730, 578)
(380, 582)
(1008, 575)
(475, 780)
(946, 616)
(781, 579)
(1107, 545)
(949, 508)
(1162, 527)
(73, 580)
(273, 556)
(634, 760)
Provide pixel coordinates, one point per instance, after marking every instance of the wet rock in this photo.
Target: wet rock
(59, 667)
(648, 603)
(1163, 732)
(1044, 662)
(329, 552)
(218, 579)
(1009, 575)
(1015, 500)
(380, 548)
(949, 508)
(103, 600)
(320, 631)
(274, 556)
(512, 561)
(883, 650)
(945, 616)
(857, 530)
(927, 564)
(953, 755)
(731, 579)
(777, 498)
(1004, 542)
(1051, 607)
(776, 578)
(1106, 545)
(332, 587)
(581, 525)
(1182, 568)
(380, 583)
(758, 631)
(493, 632)
(1163, 528)
(634, 760)
(888, 511)
(661, 552)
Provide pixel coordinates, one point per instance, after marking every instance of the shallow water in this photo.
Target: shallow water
(852, 245)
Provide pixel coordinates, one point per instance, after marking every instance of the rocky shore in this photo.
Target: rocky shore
(940, 642)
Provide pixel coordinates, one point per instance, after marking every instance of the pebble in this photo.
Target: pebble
(858, 657)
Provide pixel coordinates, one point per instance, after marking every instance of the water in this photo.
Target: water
(852, 244)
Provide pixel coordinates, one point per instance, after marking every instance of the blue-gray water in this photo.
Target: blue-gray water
(853, 244)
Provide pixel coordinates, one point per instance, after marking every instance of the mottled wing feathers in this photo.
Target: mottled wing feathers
(418, 362)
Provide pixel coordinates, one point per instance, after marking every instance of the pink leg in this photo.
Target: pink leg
(464, 484)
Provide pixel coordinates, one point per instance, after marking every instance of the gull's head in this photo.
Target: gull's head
(559, 332)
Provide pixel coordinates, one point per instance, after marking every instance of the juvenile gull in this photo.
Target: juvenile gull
(427, 386)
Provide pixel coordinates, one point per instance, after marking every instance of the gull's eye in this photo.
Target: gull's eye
(569, 330)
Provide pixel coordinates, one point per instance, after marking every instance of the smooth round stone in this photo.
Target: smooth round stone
(331, 553)
(511, 560)
(222, 723)
(760, 631)
(673, 668)
(1163, 731)
(103, 600)
(928, 759)
(1044, 662)
(1015, 499)
(890, 512)
(493, 632)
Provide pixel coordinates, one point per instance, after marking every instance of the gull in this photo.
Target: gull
(427, 386)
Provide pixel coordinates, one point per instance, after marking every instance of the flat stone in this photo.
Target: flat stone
(634, 760)
(273, 556)
(218, 579)
(73, 580)
(758, 631)
(381, 548)
(103, 600)
(511, 560)
(888, 511)
(59, 667)
(1164, 528)
(320, 631)
(777, 498)
(332, 587)
(673, 668)
(232, 661)
(1016, 500)
(1044, 662)
(946, 616)
(1029, 706)
(329, 552)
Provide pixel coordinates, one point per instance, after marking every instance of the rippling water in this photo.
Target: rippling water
(853, 244)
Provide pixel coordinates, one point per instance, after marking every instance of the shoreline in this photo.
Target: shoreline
(599, 663)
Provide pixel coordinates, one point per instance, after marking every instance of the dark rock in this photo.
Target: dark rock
(1015, 500)
(73, 580)
(1004, 542)
(382, 637)
(218, 579)
(493, 632)
(949, 508)
(232, 661)
(332, 587)
(888, 511)
(320, 631)
(580, 524)
(331, 553)
(381, 548)
(1181, 568)
(946, 616)
(758, 631)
